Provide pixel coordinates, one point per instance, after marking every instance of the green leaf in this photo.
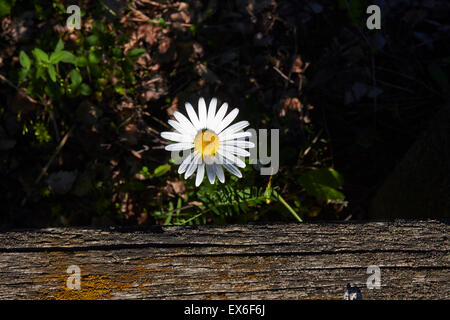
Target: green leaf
(81, 61)
(23, 74)
(136, 53)
(55, 57)
(41, 133)
(93, 40)
(144, 172)
(162, 169)
(161, 22)
(117, 53)
(323, 184)
(24, 60)
(41, 73)
(85, 89)
(59, 46)
(41, 55)
(52, 72)
(50, 90)
(62, 56)
(69, 57)
(94, 57)
(119, 89)
(337, 179)
(76, 78)
(5, 7)
(215, 210)
(98, 27)
(194, 30)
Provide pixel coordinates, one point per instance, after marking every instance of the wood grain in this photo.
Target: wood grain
(293, 261)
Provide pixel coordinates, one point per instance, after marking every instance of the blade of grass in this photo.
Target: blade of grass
(169, 216)
(280, 198)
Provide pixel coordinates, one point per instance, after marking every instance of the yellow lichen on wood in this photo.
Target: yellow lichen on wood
(94, 285)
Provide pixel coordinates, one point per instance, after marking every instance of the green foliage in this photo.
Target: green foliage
(92, 66)
(5, 7)
(194, 30)
(161, 23)
(144, 171)
(65, 71)
(323, 184)
(136, 53)
(161, 170)
(226, 200)
(24, 61)
(87, 70)
(236, 200)
(41, 74)
(41, 133)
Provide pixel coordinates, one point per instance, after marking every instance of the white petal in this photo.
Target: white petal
(233, 169)
(231, 157)
(200, 174)
(218, 158)
(237, 151)
(238, 135)
(209, 159)
(179, 146)
(211, 113)
(233, 129)
(219, 172)
(181, 128)
(193, 116)
(219, 116)
(178, 137)
(202, 114)
(211, 173)
(238, 143)
(184, 121)
(192, 166)
(227, 120)
(186, 162)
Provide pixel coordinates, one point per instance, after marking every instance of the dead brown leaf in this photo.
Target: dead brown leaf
(180, 17)
(173, 107)
(291, 104)
(178, 187)
(166, 50)
(297, 65)
(148, 33)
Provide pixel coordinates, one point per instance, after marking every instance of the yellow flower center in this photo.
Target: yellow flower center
(206, 142)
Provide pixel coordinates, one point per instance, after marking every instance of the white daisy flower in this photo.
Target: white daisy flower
(211, 142)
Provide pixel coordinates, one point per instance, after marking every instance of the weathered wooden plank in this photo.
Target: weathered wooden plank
(295, 261)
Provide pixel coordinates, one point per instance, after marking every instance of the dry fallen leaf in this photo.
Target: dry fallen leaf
(173, 107)
(178, 187)
(297, 65)
(180, 17)
(148, 33)
(290, 104)
(166, 50)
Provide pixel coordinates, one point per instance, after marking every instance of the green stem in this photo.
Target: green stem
(194, 217)
(280, 198)
(108, 8)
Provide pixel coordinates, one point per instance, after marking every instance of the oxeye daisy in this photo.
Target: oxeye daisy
(211, 141)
